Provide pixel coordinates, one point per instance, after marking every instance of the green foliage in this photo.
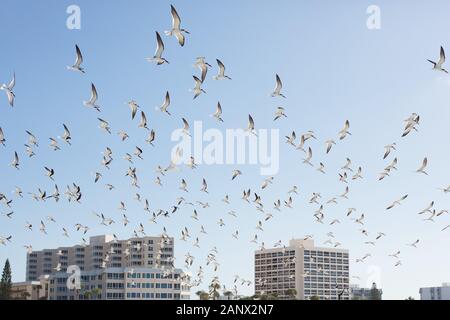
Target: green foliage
(6, 282)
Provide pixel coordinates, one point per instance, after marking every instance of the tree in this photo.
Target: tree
(202, 295)
(314, 298)
(292, 294)
(95, 293)
(5, 283)
(374, 293)
(409, 298)
(25, 295)
(214, 290)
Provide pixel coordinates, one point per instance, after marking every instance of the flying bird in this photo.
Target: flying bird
(221, 74)
(78, 61)
(176, 30)
(157, 58)
(438, 65)
(278, 86)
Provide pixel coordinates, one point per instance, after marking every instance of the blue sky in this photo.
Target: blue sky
(333, 69)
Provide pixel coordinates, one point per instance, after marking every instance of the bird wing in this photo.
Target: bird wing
(79, 59)
(176, 21)
(221, 67)
(159, 46)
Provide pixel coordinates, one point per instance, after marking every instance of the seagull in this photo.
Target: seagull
(8, 88)
(278, 86)
(197, 89)
(54, 144)
(176, 30)
(151, 137)
(307, 160)
(32, 140)
(78, 61)
(279, 113)
(414, 244)
(427, 209)
(397, 202)
(221, 75)
(204, 186)
(94, 96)
(2, 137)
(133, 107)
(163, 108)
(329, 144)
(344, 132)
(251, 125)
(66, 137)
(203, 66)
(388, 149)
(143, 123)
(235, 174)
(123, 135)
(218, 113)
(15, 162)
(446, 189)
(157, 58)
(438, 66)
(423, 166)
(50, 172)
(104, 125)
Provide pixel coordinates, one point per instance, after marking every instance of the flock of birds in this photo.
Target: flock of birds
(73, 192)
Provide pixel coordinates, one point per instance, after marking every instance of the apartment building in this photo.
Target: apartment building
(358, 293)
(101, 252)
(435, 293)
(303, 270)
(122, 284)
(30, 290)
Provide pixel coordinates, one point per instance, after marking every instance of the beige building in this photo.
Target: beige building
(122, 284)
(30, 290)
(310, 271)
(147, 252)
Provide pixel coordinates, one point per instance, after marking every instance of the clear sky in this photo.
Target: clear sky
(333, 69)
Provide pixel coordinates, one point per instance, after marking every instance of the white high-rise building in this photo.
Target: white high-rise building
(303, 269)
(435, 293)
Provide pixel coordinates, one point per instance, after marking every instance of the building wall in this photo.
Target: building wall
(122, 284)
(278, 270)
(153, 253)
(435, 293)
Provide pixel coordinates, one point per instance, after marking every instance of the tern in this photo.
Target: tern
(157, 58)
(221, 74)
(176, 30)
(8, 88)
(278, 86)
(94, 96)
(438, 65)
(78, 61)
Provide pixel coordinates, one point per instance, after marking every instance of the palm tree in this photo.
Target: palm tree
(202, 295)
(214, 290)
(292, 294)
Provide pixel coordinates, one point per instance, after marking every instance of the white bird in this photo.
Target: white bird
(396, 202)
(143, 122)
(2, 137)
(176, 30)
(163, 108)
(157, 58)
(414, 244)
(278, 87)
(344, 132)
(203, 66)
(66, 137)
(388, 149)
(279, 113)
(438, 65)
(151, 137)
(329, 144)
(197, 89)
(104, 125)
(15, 162)
(308, 158)
(93, 99)
(218, 113)
(423, 166)
(8, 88)
(221, 74)
(78, 61)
